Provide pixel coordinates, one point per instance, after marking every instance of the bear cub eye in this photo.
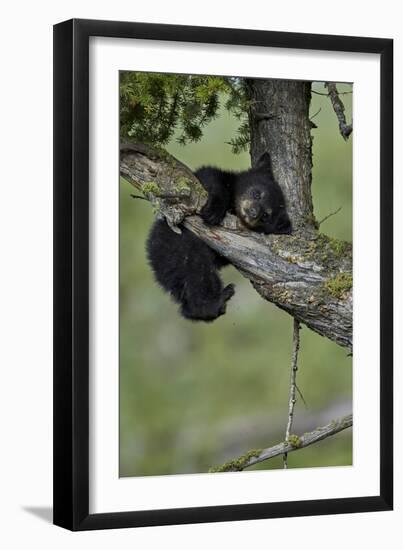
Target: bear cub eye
(256, 195)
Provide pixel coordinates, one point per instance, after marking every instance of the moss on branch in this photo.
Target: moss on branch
(294, 443)
(238, 464)
(339, 286)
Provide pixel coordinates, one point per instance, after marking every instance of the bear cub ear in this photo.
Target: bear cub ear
(264, 163)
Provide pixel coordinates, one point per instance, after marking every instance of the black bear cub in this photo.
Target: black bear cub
(185, 266)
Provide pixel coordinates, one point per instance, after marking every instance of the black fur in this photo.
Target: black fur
(185, 266)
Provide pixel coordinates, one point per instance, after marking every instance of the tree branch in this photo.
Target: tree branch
(295, 443)
(306, 274)
(338, 107)
(292, 399)
(329, 216)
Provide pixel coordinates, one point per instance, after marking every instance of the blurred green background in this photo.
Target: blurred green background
(195, 395)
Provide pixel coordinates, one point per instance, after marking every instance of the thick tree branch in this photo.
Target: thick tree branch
(306, 274)
(294, 444)
(165, 181)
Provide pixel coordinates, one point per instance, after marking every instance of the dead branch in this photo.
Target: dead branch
(293, 385)
(338, 107)
(294, 444)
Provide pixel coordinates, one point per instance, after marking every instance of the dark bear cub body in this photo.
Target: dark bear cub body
(185, 266)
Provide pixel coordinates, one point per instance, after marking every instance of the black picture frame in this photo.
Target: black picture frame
(71, 274)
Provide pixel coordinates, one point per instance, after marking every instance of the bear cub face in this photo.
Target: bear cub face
(259, 202)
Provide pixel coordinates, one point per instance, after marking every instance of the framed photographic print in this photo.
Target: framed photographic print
(218, 195)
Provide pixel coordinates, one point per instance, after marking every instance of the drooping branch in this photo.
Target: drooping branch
(306, 274)
(294, 444)
(338, 107)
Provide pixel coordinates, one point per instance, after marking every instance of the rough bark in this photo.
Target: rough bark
(279, 123)
(306, 274)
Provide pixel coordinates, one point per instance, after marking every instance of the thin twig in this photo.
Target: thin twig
(301, 396)
(178, 196)
(139, 197)
(317, 112)
(313, 125)
(327, 95)
(293, 385)
(297, 442)
(330, 215)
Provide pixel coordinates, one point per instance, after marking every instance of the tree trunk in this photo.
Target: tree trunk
(279, 123)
